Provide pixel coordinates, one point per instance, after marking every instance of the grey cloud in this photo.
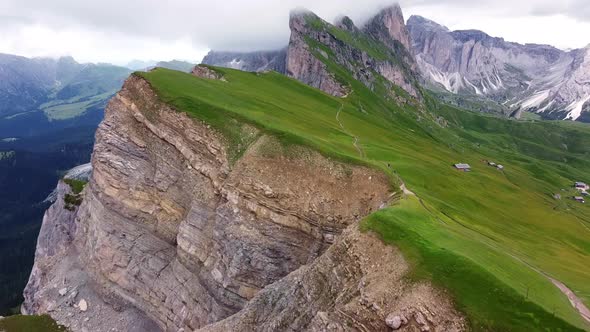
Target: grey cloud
(229, 24)
(237, 24)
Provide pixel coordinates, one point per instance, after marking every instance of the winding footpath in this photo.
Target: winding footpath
(355, 140)
(574, 300)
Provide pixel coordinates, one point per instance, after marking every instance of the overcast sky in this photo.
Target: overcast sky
(118, 31)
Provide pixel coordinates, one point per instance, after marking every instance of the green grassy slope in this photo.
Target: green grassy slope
(90, 87)
(20, 323)
(487, 235)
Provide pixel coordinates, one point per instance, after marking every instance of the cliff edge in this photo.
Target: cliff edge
(172, 234)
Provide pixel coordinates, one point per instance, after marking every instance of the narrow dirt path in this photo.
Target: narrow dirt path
(405, 190)
(574, 300)
(355, 139)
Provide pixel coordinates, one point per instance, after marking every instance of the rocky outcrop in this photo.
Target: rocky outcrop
(383, 53)
(357, 285)
(536, 78)
(206, 72)
(80, 172)
(60, 281)
(302, 64)
(389, 27)
(171, 233)
(378, 55)
(248, 61)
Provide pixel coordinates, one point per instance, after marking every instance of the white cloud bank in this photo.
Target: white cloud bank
(118, 31)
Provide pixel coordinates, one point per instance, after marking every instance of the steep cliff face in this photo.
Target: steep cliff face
(536, 78)
(574, 92)
(371, 55)
(171, 235)
(357, 285)
(381, 50)
(302, 64)
(389, 26)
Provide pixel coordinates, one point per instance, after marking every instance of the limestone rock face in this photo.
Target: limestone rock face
(389, 27)
(171, 235)
(311, 37)
(60, 280)
(302, 64)
(312, 45)
(530, 77)
(352, 287)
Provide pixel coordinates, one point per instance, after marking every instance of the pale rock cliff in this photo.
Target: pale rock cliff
(389, 26)
(305, 58)
(302, 64)
(311, 36)
(530, 77)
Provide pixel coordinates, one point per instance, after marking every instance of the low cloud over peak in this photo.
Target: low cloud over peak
(118, 31)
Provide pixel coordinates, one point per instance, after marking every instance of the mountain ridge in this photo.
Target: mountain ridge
(336, 43)
(522, 77)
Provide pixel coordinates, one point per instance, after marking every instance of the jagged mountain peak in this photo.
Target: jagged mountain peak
(426, 23)
(379, 48)
(529, 77)
(345, 23)
(389, 26)
(299, 19)
(473, 34)
(300, 13)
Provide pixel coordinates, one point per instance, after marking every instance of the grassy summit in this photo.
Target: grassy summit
(487, 236)
(20, 323)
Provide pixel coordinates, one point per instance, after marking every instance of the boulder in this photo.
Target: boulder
(394, 321)
(83, 305)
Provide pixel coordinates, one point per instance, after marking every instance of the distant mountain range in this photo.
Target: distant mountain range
(471, 69)
(61, 88)
(172, 64)
(530, 77)
(254, 61)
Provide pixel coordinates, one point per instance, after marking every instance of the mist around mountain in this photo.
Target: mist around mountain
(179, 65)
(473, 70)
(140, 64)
